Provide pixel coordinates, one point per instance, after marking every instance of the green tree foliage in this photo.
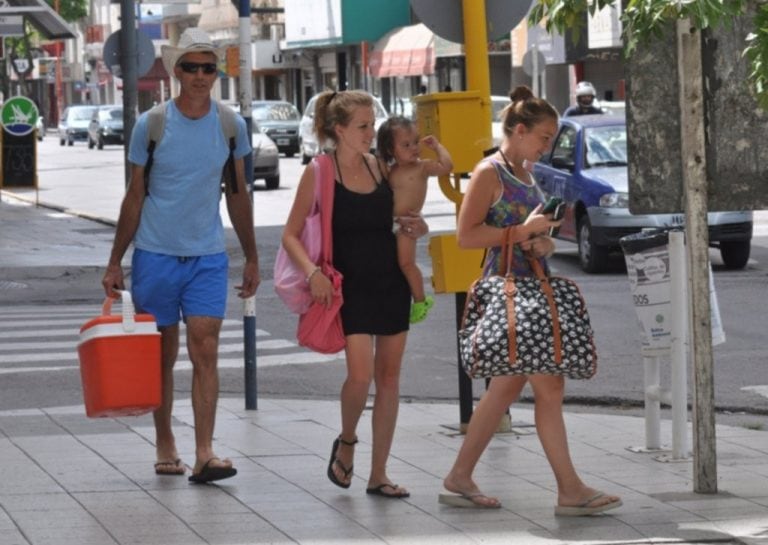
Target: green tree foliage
(644, 20)
(70, 10)
(23, 46)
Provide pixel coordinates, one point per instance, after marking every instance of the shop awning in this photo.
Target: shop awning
(41, 15)
(404, 51)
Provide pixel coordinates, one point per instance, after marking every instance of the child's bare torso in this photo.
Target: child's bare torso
(409, 186)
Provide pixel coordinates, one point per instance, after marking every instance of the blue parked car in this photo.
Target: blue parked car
(587, 168)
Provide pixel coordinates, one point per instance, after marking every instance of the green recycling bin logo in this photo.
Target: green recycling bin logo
(19, 116)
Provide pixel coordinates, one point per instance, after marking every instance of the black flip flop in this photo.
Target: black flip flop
(347, 471)
(379, 491)
(210, 473)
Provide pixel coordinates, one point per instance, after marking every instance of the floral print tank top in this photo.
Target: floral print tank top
(516, 202)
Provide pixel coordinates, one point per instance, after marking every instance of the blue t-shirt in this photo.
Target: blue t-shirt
(180, 215)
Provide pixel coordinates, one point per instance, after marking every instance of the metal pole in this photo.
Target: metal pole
(465, 383)
(129, 59)
(679, 345)
(692, 138)
(652, 407)
(476, 47)
(246, 98)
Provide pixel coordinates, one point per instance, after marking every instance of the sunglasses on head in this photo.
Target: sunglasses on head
(193, 67)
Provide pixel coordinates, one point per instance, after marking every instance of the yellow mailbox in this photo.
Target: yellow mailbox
(453, 268)
(457, 120)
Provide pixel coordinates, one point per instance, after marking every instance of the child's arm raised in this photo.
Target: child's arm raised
(443, 165)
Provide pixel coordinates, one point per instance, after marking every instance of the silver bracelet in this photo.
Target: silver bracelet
(310, 275)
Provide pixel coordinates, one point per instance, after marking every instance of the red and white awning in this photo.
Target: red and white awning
(404, 51)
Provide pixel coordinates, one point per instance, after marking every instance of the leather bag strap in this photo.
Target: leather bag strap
(507, 260)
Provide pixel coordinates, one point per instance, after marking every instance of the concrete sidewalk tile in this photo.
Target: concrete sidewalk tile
(685, 532)
(87, 535)
(331, 531)
(13, 537)
(258, 529)
(53, 519)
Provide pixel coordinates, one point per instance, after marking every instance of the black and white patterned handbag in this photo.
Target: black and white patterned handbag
(526, 326)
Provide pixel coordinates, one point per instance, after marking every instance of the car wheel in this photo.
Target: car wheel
(592, 257)
(272, 183)
(90, 143)
(100, 145)
(70, 142)
(61, 142)
(735, 253)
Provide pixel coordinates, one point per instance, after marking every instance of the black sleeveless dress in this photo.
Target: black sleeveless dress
(377, 299)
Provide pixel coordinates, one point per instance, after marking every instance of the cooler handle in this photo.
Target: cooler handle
(129, 323)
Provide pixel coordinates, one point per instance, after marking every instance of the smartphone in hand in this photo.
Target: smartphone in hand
(551, 205)
(556, 207)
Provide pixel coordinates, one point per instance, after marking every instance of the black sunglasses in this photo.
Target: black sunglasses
(193, 67)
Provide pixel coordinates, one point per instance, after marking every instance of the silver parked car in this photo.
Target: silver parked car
(308, 142)
(280, 121)
(106, 127)
(266, 160)
(73, 125)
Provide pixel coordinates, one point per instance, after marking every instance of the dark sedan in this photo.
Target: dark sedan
(106, 127)
(280, 121)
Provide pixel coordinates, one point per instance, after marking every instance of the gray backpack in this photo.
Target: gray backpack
(156, 128)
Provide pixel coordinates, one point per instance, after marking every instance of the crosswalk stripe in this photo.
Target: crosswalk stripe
(45, 338)
(72, 346)
(72, 332)
(272, 360)
(9, 326)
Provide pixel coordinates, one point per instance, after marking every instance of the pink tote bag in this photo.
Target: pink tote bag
(290, 283)
(320, 327)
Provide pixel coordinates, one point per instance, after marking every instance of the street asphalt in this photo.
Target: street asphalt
(67, 479)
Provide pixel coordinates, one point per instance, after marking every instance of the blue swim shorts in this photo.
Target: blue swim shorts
(170, 287)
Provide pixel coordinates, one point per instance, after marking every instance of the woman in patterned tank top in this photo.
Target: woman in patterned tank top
(502, 193)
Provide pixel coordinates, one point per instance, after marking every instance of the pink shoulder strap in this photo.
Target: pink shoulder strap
(324, 189)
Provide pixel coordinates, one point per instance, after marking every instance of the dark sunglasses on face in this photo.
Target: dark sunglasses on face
(193, 67)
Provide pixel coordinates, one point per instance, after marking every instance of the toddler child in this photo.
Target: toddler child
(398, 145)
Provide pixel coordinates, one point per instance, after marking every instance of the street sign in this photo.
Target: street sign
(444, 17)
(541, 61)
(111, 53)
(19, 156)
(19, 116)
(12, 25)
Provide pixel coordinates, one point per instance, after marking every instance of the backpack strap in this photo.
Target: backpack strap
(228, 121)
(155, 129)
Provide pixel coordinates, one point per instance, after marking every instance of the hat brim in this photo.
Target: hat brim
(171, 54)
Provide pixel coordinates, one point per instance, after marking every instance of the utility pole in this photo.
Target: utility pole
(129, 60)
(246, 98)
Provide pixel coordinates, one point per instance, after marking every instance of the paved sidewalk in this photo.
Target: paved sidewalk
(68, 480)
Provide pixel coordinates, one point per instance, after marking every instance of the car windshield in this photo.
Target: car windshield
(379, 110)
(116, 115)
(606, 145)
(81, 113)
(275, 112)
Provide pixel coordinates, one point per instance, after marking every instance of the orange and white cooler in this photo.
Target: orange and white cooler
(120, 362)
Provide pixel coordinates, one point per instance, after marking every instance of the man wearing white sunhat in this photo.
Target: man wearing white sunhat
(179, 267)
